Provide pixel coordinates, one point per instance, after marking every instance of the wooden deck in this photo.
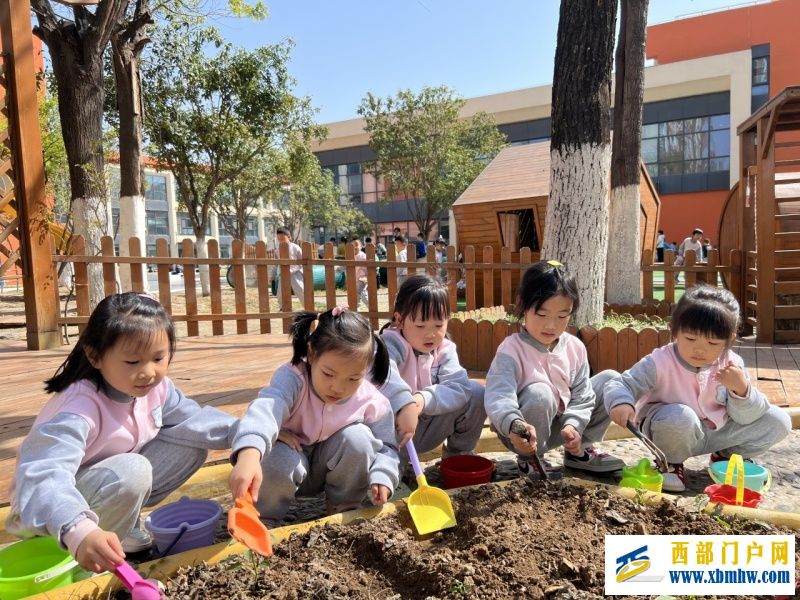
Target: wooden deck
(228, 371)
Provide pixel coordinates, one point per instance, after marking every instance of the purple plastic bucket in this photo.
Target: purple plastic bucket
(199, 518)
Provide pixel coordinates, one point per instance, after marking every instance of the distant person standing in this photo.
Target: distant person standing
(295, 271)
(690, 243)
(422, 248)
(660, 241)
(361, 274)
(402, 256)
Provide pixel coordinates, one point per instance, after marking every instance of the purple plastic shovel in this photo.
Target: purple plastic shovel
(140, 589)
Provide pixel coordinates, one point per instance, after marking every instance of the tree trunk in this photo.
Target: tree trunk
(127, 45)
(624, 255)
(576, 224)
(80, 106)
(201, 247)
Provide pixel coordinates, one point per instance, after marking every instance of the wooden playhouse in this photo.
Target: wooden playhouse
(507, 202)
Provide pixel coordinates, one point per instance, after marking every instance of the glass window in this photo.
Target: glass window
(653, 169)
(151, 250)
(695, 125)
(157, 222)
(720, 122)
(650, 131)
(155, 188)
(185, 224)
(224, 251)
(721, 164)
(670, 148)
(760, 70)
(670, 168)
(670, 128)
(115, 220)
(695, 146)
(695, 166)
(252, 227)
(720, 143)
(650, 150)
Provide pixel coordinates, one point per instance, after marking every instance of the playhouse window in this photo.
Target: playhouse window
(518, 229)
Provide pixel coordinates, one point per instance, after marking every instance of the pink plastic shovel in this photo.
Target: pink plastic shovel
(140, 589)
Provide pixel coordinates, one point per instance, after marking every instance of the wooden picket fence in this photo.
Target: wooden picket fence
(607, 348)
(251, 267)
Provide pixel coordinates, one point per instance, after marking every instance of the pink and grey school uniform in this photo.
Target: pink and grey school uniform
(453, 411)
(686, 412)
(94, 457)
(347, 446)
(548, 389)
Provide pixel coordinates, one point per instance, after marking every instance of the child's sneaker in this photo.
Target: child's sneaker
(531, 471)
(137, 540)
(674, 480)
(593, 461)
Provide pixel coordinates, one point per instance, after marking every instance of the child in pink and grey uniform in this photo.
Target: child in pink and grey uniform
(693, 396)
(118, 435)
(540, 377)
(320, 425)
(444, 404)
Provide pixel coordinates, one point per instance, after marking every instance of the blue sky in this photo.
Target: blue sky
(347, 48)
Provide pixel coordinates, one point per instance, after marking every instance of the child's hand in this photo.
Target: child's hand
(733, 378)
(572, 440)
(621, 414)
(246, 474)
(290, 439)
(100, 551)
(407, 419)
(525, 443)
(380, 494)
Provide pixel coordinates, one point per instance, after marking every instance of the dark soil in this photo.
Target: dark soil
(524, 540)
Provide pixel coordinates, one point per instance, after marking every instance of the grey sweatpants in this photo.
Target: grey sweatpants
(361, 289)
(679, 432)
(339, 466)
(296, 280)
(539, 407)
(460, 430)
(118, 487)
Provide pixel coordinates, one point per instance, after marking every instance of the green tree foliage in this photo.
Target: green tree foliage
(210, 115)
(425, 151)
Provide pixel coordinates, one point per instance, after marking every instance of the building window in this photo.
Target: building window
(157, 222)
(227, 225)
(518, 230)
(155, 188)
(348, 178)
(224, 251)
(115, 221)
(759, 76)
(693, 146)
(252, 227)
(185, 224)
(151, 250)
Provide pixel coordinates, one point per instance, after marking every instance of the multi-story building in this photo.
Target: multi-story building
(165, 219)
(706, 73)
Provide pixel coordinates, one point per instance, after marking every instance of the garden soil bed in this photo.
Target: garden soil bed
(523, 540)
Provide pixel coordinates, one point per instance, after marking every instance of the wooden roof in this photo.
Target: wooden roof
(516, 172)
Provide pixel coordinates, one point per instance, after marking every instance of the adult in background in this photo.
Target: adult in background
(660, 242)
(422, 248)
(295, 271)
(690, 243)
(402, 256)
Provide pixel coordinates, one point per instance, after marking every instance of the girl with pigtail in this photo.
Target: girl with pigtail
(321, 424)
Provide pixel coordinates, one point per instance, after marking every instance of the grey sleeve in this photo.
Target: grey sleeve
(582, 399)
(631, 385)
(49, 458)
(385, 469)
(395, 388)
(451, 391)
(186, 423)
(747, 409)
(259, 426)
(500, 399)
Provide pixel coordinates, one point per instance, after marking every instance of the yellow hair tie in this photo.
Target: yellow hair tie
(554, 263)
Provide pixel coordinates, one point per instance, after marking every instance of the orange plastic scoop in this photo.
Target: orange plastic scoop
(246, 527)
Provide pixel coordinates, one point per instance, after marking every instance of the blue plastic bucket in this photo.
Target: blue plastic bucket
(33, 566)
(756, 477)
(195, 521)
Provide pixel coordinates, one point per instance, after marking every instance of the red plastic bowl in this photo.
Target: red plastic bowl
(466, 469)
(726, 494)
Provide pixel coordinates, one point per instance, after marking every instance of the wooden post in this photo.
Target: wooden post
(239, 291)
(488, 277)
(765, 234)
(38, 271)
(217, 325)
(262, 274)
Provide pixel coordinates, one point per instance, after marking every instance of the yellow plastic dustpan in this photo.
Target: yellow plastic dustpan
(430, 508)
(245, 526)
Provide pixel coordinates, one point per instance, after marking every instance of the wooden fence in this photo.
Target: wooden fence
(251, 269)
